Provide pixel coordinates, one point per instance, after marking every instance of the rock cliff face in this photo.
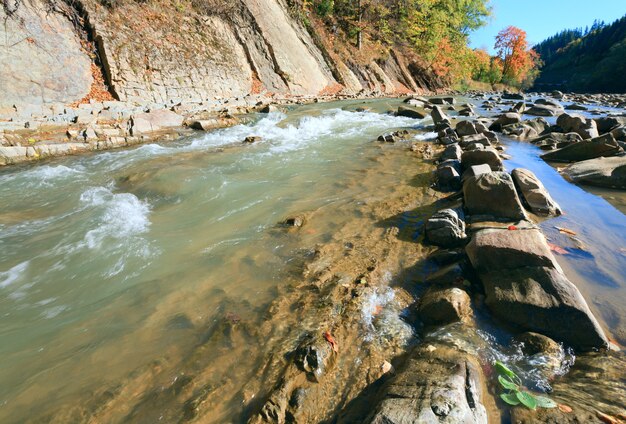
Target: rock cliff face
(151, 52)
(41, 59)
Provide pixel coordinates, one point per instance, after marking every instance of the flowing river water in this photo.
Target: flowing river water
(118, 270)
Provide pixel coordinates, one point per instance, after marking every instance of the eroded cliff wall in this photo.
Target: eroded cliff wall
(160, 52)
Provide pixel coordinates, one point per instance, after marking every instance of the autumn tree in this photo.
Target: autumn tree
(519, 63)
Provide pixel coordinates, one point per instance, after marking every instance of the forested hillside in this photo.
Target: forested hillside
(590, 60)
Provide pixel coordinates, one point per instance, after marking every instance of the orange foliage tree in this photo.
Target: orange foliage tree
(519, 63)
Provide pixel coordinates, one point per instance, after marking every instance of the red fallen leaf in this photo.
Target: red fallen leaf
(557, 249)
(565, 230)
(607, 418)
(333, 343)
(564, 408)
(512, 228)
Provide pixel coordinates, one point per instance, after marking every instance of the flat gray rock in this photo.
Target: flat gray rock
(601, 172)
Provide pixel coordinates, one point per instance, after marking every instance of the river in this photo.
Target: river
(118, 268)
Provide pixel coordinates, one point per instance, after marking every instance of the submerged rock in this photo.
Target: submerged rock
(492, 194)
(313, 356)
(534, 343)
(534, 193)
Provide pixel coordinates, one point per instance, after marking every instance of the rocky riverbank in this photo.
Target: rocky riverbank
(494, 260)
(36, 132)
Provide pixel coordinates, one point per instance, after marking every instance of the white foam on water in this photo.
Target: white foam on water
(284, 137)
(536, 371)
(428, 136)
(124, 215)
(14, 274)
(381, 316)
(43, 174)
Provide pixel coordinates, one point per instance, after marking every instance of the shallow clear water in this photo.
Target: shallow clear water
(594, 259)
(104, 257)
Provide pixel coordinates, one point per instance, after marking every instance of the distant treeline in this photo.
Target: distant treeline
(589, 60)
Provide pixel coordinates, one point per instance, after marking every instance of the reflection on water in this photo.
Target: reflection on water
(594, 259)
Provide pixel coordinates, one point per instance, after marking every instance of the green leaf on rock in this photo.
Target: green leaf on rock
(510, 398)
(527, 400)
(507, 383)
(504, 370)
(545, 402)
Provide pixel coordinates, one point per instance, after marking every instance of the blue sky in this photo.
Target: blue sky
(543, 18)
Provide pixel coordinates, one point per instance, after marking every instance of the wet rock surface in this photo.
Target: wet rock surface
(441, 306)
(603, 172)
(445, 228)
(534, 193)
(437, 384)
(587, 149)
(492, 194)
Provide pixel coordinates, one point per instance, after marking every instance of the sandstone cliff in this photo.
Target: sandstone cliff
(167, 53)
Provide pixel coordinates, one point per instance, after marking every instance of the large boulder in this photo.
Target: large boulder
(579, 124)
(542, 299)
(475, 139)
(493, 249)
(478, 157)
(439, 117)
(464, 128)
(441, 306)
(505, 119)
(544, 110)
(602, 172)
(154, 121)
(604, 145)
(494, 195)
(437, 384)
(534, 193)
(608, 123)
(527, 129)
(445, 228)
(452, 151)
(525, 286)
(410, 112)
(475, 170)
(512, 96)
